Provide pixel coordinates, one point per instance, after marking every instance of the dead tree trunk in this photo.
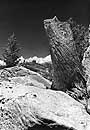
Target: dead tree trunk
(67, 46)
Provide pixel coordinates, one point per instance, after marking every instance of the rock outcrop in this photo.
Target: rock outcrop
(44, 69)
(21, 75)
(68, 43)
(24, 103)
(40, 65)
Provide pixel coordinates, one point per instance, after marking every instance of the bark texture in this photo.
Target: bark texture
(68, 44)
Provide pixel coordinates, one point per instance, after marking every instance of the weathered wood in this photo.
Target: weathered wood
(66, 39)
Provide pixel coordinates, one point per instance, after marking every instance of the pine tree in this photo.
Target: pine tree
(11, 53)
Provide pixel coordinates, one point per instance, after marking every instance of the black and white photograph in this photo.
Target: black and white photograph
(44, 65)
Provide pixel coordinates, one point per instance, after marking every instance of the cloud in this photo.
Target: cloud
(37, 59)
(21, 59)
(2, 63)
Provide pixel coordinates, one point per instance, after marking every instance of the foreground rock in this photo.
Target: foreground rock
(20, 75)
(44, 69)
(40, 65)
(25, 102)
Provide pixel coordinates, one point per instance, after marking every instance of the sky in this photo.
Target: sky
(25, 18)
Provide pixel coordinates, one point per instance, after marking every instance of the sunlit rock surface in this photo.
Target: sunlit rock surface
(40, 65)
(25, 102)
(44, 69)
